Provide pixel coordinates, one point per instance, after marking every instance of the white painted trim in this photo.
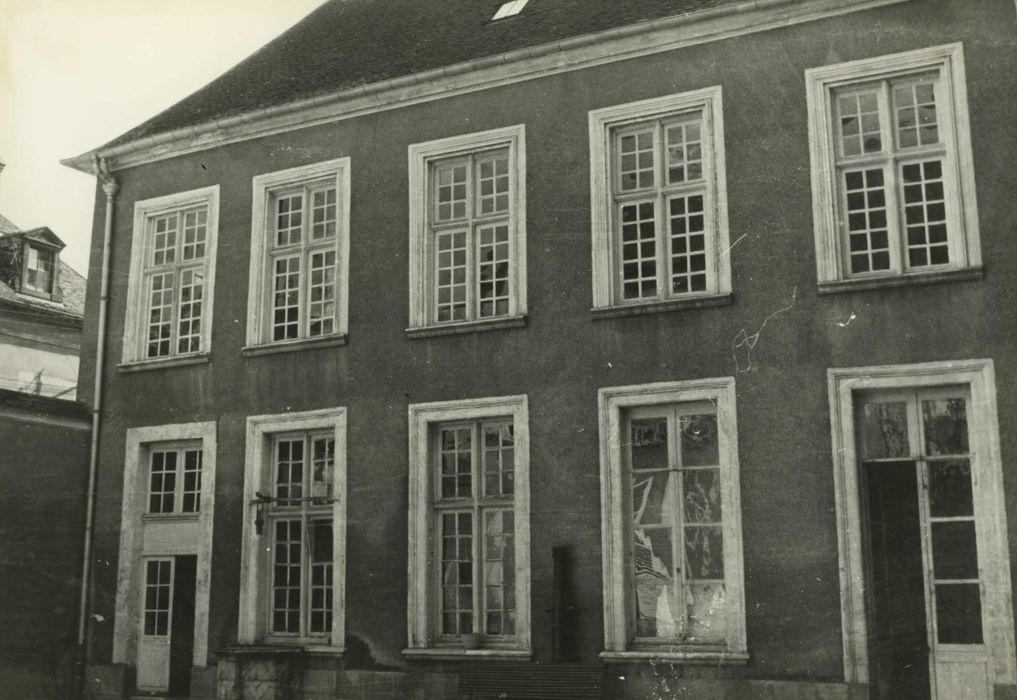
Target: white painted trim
(420, 606)
(959, 176)
(983, 426)
(132, 529)
(135, 329)
(256, 456)
(612, 401)
(257, 306)
(602, 122)
(577, 53)
(420, 156)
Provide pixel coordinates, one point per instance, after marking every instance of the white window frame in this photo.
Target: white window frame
(978, 376)
(958, 171)
(603, 123)
(259, 294)
(421, 252)
(40, 251)
(255, 569)
(423, 633)
(619, 625)
(135, 324)
(181, 449)
(133, 545)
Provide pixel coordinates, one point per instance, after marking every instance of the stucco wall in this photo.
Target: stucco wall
(563, 356)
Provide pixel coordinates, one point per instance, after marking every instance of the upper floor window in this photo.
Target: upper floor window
(469, 515)
(169, 297)
(673, 573)
(40, 269)
(299, 254)
(467, 238)
(893, 185)
(659, 200)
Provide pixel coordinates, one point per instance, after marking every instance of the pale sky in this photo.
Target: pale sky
(74, 74)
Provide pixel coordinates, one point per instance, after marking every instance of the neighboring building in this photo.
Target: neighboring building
(42, 300)
(698, 292)
(43, 465)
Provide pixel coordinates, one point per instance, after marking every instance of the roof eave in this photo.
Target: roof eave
(717, 23)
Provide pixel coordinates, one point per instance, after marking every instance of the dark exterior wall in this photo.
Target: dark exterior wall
(43, 471)
(563, 356)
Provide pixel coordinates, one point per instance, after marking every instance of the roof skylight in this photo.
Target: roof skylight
(512, 7)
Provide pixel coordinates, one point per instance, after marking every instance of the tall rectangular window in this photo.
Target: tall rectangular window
(39, 269)
(299, 255)
(673, 582)
(893, 187)
(174, 480)
(468, 217)
(469, 527)
(294, 533)
(169, 298)
(659, 202)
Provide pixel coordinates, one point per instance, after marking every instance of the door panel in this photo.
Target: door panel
(156, 625)
(182, 637)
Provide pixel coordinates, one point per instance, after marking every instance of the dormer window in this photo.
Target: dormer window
(512, 7)
(39, 270)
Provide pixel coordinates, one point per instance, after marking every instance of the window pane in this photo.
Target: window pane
(867, 237)
(493, 184)
(192, 289)
(456, 462)
(499, 573)
(322, 467)
(286, 577)
(884, 430)
(286, 298)
(323, 213)
(457, 573)
(321, 578)
(195, 232)
(858, 119)
(321, 308)
(635, 160)
(701, 495)
(162, 482)
(648, 443)
(959, 613)
(499, 458)
(946, 426)
(192, 481)
(684, 151)
(289, 219)
(915, 114)
(658, 609)
(954, 551)
(493, 270)
(450, 192)
(653, 500)
(699, 440)
(704, 552)
(289, 471)
(950, 489)
(925, 213)
(157, 597)
(638, 250)
(160, 315)
(687, 224)
(450, 275)
(707, 604)
(164, 239)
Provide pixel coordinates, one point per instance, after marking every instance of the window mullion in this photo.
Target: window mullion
(660, 217)
(304, 291)
(895, 233)
(478, 627)
(678, 508)
(472, 243)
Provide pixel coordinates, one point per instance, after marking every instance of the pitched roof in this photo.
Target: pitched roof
(345, 44)
(6, 225)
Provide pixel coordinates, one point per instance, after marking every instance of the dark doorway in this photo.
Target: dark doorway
(182, 640)
(898, 641)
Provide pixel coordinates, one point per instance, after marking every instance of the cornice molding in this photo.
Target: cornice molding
(576, 53)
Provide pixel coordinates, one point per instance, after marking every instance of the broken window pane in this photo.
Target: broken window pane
(704, 552)
(701, 489)
(884, 430)
(699, 440)
(649, 443)
(707, 611)
(946, 426)
(653, 499)
(658, 609)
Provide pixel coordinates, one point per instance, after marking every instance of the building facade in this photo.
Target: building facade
(716, 298)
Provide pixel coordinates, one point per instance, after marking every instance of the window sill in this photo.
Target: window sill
(693, 656)
(467, 327)
(170, 517)
(456, 653)
(279, 649)
(329, 341)
(164, 363)
(663, 306)
(905, 280)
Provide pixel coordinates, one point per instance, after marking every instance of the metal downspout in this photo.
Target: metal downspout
(110, 186)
